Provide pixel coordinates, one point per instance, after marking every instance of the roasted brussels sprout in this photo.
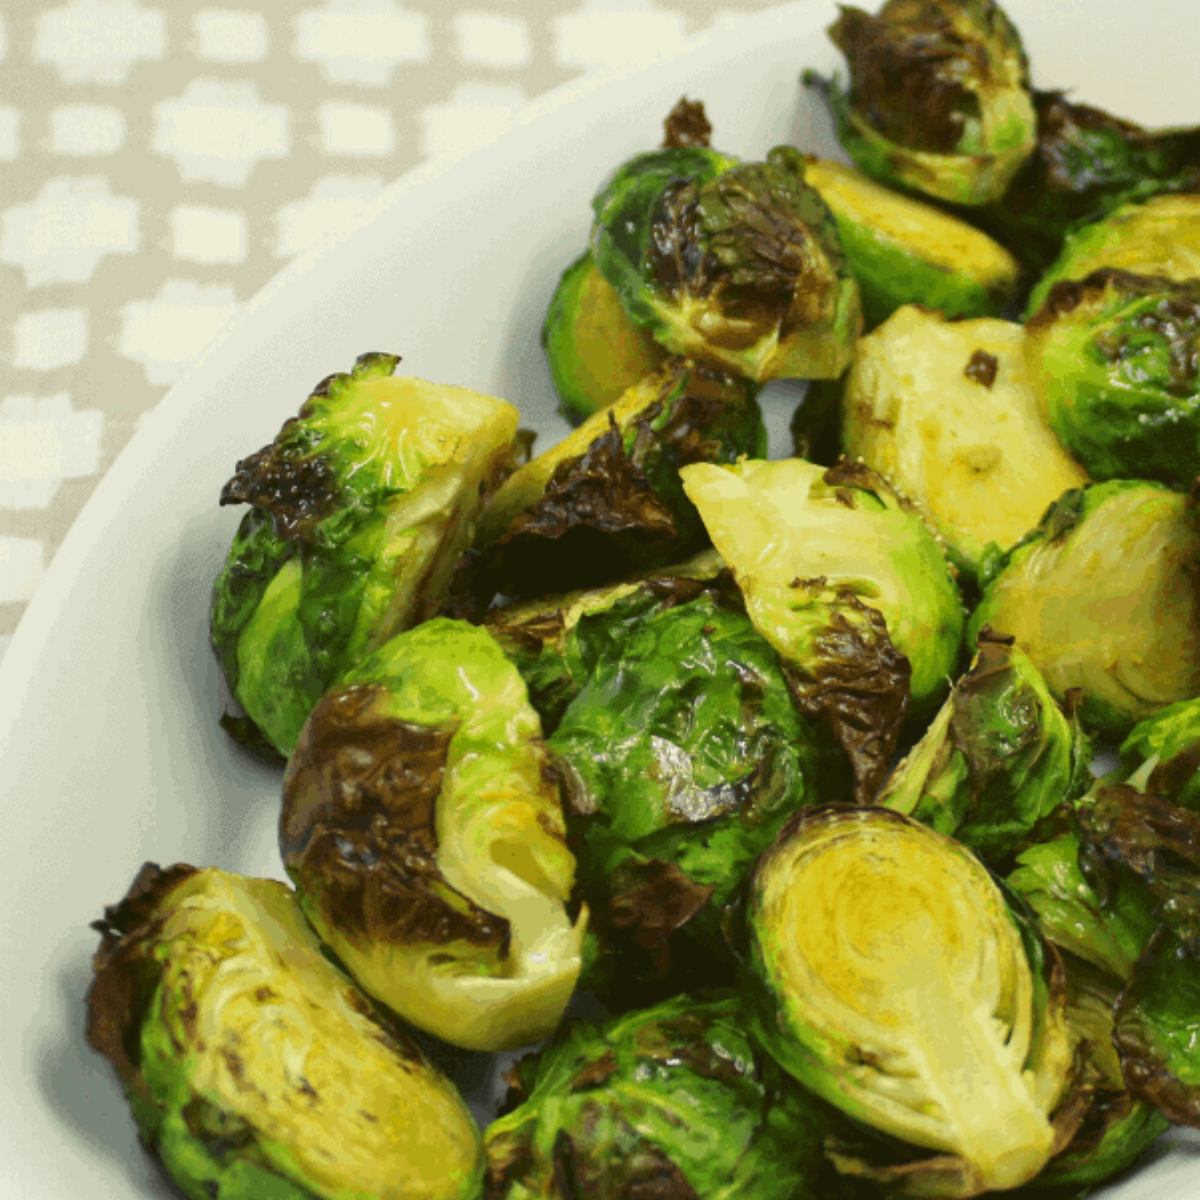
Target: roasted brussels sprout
(596, 352)
(999, 757)
(684, 753)
(939, 98)
(1162, 754)
(1160, 236)
(359, 510)
(1103, 597)
(847, 584)
(671, 1101)
(254, 1067)
(946, 411)
(423, 828)
(1086, 163)
(607, 501)
(1115, 360)
(903, 251)
(896, 982)
(733, 263)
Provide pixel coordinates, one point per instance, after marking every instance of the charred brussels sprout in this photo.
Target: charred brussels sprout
(1160, 236)
(255, 1068)
(1103, 597)
(895, 981)
(1164, 752)
(607, 500)
(1086, 163)
(999, 757)
(595, 351)
(847, 584)
(733, 263)
(359, 510)
(673, 1101)
(939, 98)
(422, 826)
(903, 251)
(946, 410)
(1115, 359)
(685, 753)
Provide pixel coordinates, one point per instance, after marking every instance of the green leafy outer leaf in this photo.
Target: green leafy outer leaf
(607, 501)
(780, 525)
(1104, 596)
(255, 1068)
(1086, 164)
(938, 99)
(1157, 1028)
(422, 825)
(1164, 751)
(685, 754)
(1114, 358)
(1109, 930)
(999, 757)
(1156, 236)
(735, 263)
(359, 510)
(865, 936)
(669, 1103)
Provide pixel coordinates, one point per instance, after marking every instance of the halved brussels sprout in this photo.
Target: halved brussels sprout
(999, 757)
(674, 1101)
(845, 581)
(733, 263)
(684, 753)
(607, 500)
(947, 411)
(1159, 236)
(423, 828)
(255, 1067)
(595, 351)
(1162, 754)
(939, 98)
(1115, 360)
(895, 981)
(1086, 163)
(903, 251)
(360, 509)
(1103, 595)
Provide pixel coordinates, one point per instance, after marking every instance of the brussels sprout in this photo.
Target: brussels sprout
(847, 584)
(999, 756)
(674, 1101)
(422, 826)
(684, 754)
(738, 264)
(1115, 360)
(1086, 163)
(359, 510)
(946, 410)
(607, 500)
(939, 98)
(595, 351)
(1160, 236)
(1103, 597)
(256, 1070)
(895, 981)
(904, 251)
(1164, 751)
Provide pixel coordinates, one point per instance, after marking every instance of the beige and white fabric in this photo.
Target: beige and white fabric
(159, 162)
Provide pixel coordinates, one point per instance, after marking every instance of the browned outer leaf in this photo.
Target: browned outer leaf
(358, 825)
(652, 900)
(686, 125)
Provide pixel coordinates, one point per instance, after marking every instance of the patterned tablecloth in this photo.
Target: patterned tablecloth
(160, 162)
